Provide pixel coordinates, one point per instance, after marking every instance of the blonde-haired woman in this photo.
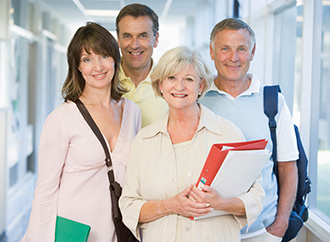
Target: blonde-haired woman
(168, 155)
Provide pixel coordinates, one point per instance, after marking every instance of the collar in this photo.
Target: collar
(254, 88)
(208, 120)
(122, 75)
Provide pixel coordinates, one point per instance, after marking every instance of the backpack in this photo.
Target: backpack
(299, 213)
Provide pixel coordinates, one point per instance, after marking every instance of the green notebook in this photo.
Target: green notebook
(71, 231)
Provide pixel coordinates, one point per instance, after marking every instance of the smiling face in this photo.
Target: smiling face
(232, 51)
(97, 70)
(181, 90)
(136, 41)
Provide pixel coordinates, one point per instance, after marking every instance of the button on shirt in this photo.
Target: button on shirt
(152, 107)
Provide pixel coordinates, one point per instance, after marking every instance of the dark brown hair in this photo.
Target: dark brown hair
(138, 10)
(92, 37)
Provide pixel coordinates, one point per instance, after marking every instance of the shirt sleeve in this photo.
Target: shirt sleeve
(286, 138)
(52, 154)
(253, 203)
(131, 202)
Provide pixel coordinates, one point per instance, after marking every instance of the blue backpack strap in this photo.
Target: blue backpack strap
(304, 183)
(270, 109)
(299, 214)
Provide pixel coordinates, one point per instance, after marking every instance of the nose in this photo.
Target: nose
(98, 65)
(179, 85)
(233, 56)
(135, 43)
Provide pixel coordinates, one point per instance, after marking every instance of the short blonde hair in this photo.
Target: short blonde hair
(174, 61)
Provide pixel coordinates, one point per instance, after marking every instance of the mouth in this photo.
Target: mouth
(100, 76)
(233, 67)
(135, 53)
(179, 95)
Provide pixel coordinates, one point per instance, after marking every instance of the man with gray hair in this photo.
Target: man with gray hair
(238, 96)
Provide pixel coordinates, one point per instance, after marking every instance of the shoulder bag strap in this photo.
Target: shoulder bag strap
(100, 137)
(270, 109)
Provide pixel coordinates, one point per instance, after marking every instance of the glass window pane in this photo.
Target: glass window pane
(323, 182)
(284, 52)
(296, 113)
(3, 76)
(19, 13)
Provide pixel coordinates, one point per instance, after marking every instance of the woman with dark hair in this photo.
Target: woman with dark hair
(72, 175)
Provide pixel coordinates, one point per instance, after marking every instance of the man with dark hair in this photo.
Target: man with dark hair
(238, 96)
(137, 33)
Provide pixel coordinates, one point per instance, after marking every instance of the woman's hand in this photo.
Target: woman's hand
(210, 196)
(181, 204)
(178, 204)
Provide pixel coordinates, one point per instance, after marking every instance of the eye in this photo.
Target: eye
(86, 60)
(189, 79)
(170, 78)
(126, 36)
(224, 49)
(105, 56)
(242, 49)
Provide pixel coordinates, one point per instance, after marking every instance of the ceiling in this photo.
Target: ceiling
(76, 12)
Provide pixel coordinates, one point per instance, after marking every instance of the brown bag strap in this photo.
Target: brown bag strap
(100, 137)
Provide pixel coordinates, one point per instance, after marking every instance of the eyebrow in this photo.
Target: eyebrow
(144, 33)
(126, 33)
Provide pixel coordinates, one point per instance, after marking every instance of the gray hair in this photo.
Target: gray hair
(234, 24)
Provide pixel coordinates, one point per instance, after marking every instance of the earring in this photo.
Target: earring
(161, 92)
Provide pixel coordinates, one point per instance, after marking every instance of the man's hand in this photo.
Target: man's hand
(288, 180)
(279, 227)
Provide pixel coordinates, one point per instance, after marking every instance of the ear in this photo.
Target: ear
(156, 40)
(118, 40)
(253, 51)
(211, 52)
(201, 85)
(160, 86)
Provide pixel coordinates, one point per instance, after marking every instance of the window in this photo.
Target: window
(323, 157)
(296, 112)
(3, 76)
(17, 109)
(19, 12)
(284, 52)
(295, 57)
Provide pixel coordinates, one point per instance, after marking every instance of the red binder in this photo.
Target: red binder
(231, 169)
(218, 154)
